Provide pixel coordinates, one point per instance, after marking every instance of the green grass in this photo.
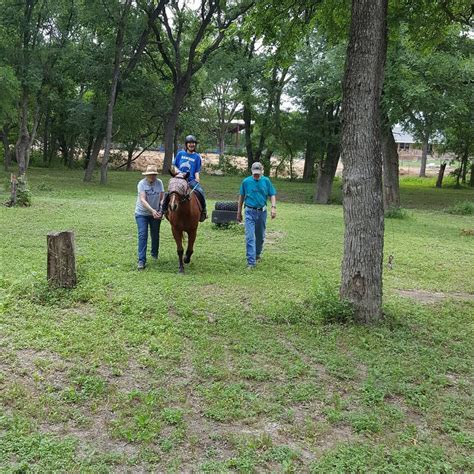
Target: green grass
(222, 370)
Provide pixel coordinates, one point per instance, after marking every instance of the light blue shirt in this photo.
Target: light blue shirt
(152, 192)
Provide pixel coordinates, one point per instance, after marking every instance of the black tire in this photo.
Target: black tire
(226, 206)
(223, 217)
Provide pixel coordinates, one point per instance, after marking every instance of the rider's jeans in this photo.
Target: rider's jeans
(255, 225)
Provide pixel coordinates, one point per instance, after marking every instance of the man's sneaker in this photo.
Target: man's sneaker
(203, 216)
(141, 265)
(250, 267)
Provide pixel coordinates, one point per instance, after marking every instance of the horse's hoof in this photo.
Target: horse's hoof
(181, 270)
(186, 260)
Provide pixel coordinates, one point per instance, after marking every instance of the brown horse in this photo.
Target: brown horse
(184, 211)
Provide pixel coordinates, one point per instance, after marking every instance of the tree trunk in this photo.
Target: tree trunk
(247, 114)
(93, 158)
(464, 167)
(47, 120)
(424, 156)
(23, 142)
(471, 181)
(442, 168)
(61, 259)
(362, 262)
(113, 91)
(90, 143)
(170, 127)
(130, 150)
(7, 159)
(391, 185)
(310, 158)
(326, 172)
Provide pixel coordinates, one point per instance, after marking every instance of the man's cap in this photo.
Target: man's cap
(151, 169)
(257, 168)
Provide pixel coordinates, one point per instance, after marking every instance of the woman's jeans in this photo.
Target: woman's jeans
(255, 225)
(143, 222)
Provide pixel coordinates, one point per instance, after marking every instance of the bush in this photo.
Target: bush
(395, 213)
(327, 305)
(463, 208)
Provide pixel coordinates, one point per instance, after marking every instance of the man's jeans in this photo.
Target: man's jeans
(143, 222)
(255, 225)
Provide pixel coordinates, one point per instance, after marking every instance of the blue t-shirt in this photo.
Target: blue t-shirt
(152, 192)
(188, 163)
(256, 192)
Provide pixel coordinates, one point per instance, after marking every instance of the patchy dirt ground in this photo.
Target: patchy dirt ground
(427, 297)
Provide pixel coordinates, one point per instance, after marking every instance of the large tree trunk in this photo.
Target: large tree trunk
(361, 153)
(424, 156)
(442, 168)
(471, 181)
(391, 185)
(326, 172)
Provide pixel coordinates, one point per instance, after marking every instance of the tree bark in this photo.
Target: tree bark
(61, 259)
(7, 158)
(326, 172)
(113, 91)
(464, 167)
(424, 156)
(94, 155)
(442, 168)
(362, 262)
(391, 185)
(23, 142)
(471, 181)
(247, 115)
(47, 120)
(170, 128)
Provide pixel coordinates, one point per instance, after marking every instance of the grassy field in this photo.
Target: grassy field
(225, 370)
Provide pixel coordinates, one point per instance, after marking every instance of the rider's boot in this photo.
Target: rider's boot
(164, 205)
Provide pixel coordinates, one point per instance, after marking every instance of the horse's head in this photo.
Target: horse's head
(178, 189)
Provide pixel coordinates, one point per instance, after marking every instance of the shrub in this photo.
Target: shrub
(395, 213)
(328, 306)
(463, 208)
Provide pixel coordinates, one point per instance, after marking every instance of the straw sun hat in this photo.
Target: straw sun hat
(151, 169)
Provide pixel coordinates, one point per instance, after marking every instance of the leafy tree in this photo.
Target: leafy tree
(186, 40)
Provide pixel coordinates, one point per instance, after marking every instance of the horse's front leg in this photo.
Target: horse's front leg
(190, 249)
(178, 237)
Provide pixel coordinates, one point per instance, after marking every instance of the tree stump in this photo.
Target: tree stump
(61, 259)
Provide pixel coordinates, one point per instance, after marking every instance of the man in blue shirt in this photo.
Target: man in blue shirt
(253, 195)
(188, 161)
